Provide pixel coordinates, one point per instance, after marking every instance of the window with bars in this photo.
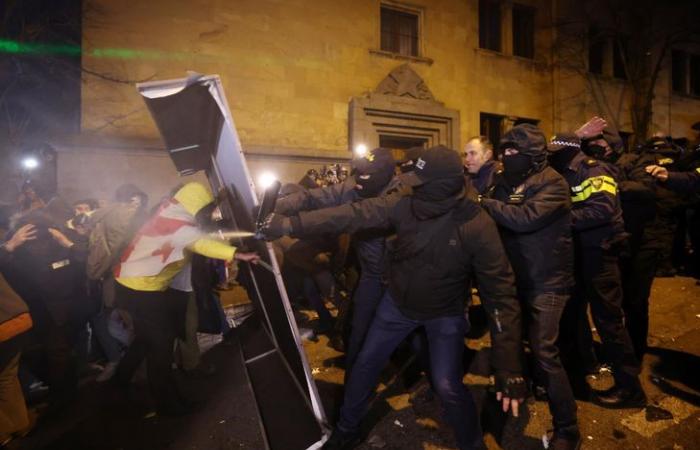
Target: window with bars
(490, 25)
(400, 31)
(523, 31)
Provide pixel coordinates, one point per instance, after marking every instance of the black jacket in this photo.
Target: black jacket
(484, 179)
(685, 182)
(535, 224)
(596, 212)
(432, 260)
(650, 219)
(370, 245)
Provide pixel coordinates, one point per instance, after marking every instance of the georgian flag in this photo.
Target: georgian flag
(159, 242)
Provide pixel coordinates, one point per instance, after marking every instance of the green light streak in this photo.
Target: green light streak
(21, 48)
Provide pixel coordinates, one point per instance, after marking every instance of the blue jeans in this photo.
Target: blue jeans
(366, 297)
(446, 346)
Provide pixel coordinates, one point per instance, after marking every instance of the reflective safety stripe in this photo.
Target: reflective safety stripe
(590, 186)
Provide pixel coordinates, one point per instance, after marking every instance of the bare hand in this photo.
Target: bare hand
(658, 172)
(509, 403)
(593, 127)
(247, 257)
(61, 238)
(24, 234)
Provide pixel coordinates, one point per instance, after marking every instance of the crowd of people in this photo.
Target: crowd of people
(111, 283)
(544, 231)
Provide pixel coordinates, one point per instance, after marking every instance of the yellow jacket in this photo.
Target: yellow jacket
(193, 197)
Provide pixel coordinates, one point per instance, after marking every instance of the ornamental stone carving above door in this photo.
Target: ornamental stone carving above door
(402, 107)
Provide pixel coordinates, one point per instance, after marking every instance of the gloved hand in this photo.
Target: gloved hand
(274, 227)
(511, 390)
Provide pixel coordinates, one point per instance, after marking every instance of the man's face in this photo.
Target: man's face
(475, 156)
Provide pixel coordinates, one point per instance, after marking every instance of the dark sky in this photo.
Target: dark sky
(40, 92)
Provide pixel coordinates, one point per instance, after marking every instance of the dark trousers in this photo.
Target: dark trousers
(544, 315)
(159, 317)
(599, 283)
(638, 271)
(446, 346)
(368, 293)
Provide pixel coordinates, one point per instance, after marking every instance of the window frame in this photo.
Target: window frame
(527, 9)
(498, 34)
(405, 10)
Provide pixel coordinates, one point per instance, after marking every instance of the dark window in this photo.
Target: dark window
(694, 67)
(401, 142)
(596, 51)
(678, 71)
(399, 32)
(490, 125)
(490, 25)
(523, 31)
(619, 54)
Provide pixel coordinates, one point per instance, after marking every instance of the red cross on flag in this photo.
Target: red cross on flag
(160, 241)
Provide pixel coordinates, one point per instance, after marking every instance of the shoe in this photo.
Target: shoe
(564, 442)
(336, 343)
(341, 440)
(540, 393)
(201, 371)
(108, 372)
(618, 397)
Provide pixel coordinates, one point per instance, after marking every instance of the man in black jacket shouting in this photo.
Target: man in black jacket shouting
(442, 238)
(532, 208)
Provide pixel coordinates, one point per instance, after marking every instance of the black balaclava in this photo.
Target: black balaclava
(560, 160)
(596, 151)
(372, 183)
(436, 197)
(516, 168)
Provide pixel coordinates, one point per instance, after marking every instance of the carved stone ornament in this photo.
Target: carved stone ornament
(404, 82)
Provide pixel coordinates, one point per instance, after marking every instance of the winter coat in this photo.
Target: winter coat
(534, 220)
(431, 261)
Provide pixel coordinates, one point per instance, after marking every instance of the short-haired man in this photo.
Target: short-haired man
(479, 163)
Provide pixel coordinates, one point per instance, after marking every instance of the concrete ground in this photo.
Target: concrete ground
(405, 419)
(404, 416)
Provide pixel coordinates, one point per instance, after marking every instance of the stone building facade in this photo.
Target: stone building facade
(306, 80)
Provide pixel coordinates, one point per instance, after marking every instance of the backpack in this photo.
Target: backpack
(112, 229)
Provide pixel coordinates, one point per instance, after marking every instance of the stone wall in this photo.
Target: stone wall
(291, 70)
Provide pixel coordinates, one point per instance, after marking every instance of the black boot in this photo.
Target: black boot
(565, 441)
(620, 397)
(341, 440)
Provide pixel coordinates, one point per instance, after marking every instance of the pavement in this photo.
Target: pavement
(404, 415)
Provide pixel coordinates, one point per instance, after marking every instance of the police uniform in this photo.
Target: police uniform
(598, 234)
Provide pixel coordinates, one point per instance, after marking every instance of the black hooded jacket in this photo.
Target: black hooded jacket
(432, 260)
(535, 224)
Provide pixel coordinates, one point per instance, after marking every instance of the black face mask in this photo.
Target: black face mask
(596, 151)
(516, 168)
(560, 160)
(371, 184)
